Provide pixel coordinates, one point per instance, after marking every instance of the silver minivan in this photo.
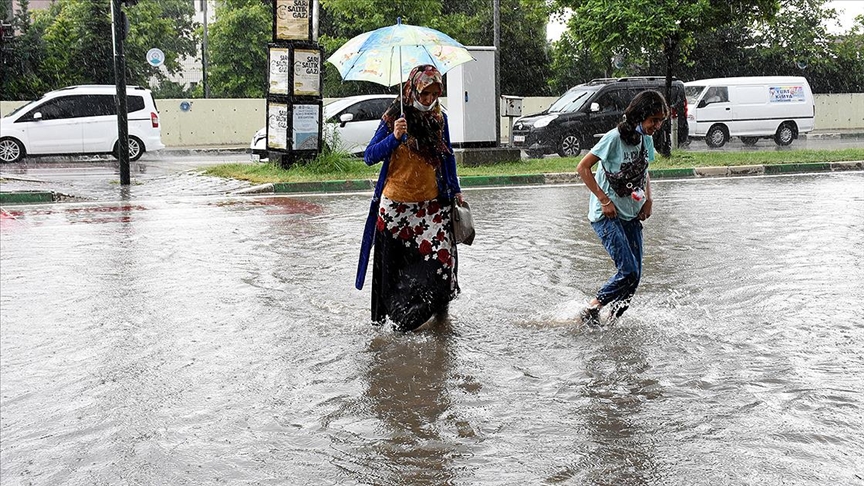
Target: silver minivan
(80, 120)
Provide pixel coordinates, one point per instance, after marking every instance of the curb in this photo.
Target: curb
(202, 150)
(363, 185)
(356, 185)
(27, 197)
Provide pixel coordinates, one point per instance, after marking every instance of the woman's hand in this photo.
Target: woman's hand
(645, 212)
(459, 198)
(400, 128)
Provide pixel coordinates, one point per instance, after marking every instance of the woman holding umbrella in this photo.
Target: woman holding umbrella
(415, 262)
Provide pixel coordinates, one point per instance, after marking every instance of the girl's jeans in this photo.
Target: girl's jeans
(623, 241)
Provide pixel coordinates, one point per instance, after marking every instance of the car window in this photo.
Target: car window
(380, 106)
(613, 100)
(97, 105)
(571, 101)
(134, 103)
(693, 93)
(365, 110)
(716, 94)
(55, 109)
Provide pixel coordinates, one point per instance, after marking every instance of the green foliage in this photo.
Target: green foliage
(635, 31)
(523, 58)
(354, 168)
(237, 50)
(72, 43)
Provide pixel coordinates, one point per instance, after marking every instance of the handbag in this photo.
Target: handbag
(463, 223)
(631, 177)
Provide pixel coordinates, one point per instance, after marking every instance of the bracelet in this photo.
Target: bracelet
(606, 203)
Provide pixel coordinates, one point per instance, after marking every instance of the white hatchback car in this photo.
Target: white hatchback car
(351, 121)
(80, 120)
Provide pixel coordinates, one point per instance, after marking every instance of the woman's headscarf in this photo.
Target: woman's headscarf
(425, 128)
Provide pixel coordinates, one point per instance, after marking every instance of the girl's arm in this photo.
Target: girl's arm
(584, 171)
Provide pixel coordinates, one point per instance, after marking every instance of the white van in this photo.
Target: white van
(778, 107)
(80, 120)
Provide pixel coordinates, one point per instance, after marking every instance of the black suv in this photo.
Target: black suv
(578, 119)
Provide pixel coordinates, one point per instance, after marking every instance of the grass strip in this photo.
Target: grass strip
(347, 168)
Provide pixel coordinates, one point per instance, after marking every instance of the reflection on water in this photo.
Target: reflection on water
(174, 342)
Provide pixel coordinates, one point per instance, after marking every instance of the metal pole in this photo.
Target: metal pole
(118, 33)
(496, 14)
(204, 53)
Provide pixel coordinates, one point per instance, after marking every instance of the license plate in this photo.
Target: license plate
(518, 138)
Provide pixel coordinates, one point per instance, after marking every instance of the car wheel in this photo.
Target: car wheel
(11, 150)
(716, 136)
(569, 146)
(749, 141)
(785, 134)
(136, 149)
(534, 154)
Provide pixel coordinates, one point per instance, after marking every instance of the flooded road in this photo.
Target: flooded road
(220, 341)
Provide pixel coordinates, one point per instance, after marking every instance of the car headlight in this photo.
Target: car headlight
(542, 122)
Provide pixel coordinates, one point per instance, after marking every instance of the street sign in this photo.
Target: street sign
(155, 57)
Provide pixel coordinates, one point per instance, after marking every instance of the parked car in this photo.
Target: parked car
(776, 107)
(80, 120)
(577, 120)
(351, 122)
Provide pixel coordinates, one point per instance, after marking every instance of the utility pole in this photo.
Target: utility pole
(496, 14)
(204, 52)
(118, 19)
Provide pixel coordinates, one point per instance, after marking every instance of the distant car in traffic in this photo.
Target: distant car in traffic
(80, 120)
(350, 122)
(577, 120)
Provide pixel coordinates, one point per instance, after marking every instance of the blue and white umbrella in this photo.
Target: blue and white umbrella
(385, 56)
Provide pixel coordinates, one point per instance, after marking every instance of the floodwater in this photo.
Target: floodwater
(220, 341)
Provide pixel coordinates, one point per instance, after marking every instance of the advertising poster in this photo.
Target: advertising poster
(293, 19)
(280, 70)
(277, 126)
(782, 94)
(305, 127)
(307, 72)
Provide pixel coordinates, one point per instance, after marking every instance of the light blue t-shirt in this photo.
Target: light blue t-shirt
(612, 152)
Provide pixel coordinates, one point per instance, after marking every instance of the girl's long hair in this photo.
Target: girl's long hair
(644, 105)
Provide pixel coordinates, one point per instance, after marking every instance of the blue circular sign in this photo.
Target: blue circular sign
(155, 57)
(185, 106)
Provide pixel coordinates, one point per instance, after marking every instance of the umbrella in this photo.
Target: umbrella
(386, 55)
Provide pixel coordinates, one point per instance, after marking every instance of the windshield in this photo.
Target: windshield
(693, 93)
(20, 108)
(571, 101)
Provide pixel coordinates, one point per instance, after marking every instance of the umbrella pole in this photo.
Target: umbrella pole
(401, 88)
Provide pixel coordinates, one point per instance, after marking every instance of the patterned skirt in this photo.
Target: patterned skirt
(414, 268)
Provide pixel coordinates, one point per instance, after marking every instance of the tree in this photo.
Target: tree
(237, 49)
(71, 43)
(166, 24)
(523, 58)
(632, 30)
(574, 62)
